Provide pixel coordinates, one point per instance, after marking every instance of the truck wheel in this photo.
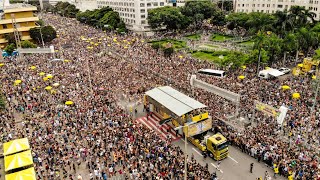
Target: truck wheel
(210, 155)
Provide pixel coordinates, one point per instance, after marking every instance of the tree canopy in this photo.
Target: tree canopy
(104, 18)
(48, 34)
(66, 9)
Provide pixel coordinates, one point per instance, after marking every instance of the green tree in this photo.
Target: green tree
(10, 38)
(111, 19)
(48, 34)
(237, 21)
(10, 48)
(300, 16)
(289, 44)
(225, 5)
(218, 18)
(258, 21)
(283, 23)
(169, 17)
(66, 9)
(28, 44)
(273, 46)
(84, 17)
(197, 11)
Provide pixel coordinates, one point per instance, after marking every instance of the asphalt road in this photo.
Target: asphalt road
(235, 167)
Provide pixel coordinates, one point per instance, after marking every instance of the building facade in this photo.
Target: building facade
(134, 13)
(20, 15)
(271, 6)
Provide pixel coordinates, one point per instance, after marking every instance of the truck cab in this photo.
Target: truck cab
(217, 146)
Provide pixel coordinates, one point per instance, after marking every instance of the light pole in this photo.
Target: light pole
(41, 34)
(186, 134)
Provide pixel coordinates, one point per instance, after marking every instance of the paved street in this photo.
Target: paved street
(236, 167)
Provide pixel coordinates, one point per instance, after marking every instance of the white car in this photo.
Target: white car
(285, 70)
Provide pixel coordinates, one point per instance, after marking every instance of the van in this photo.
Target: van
(270, 73)
(211, 72)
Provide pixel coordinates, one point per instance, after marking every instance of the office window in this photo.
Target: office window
(143, 16)
(141, 4)
(161, 3)
(142, 10)
(4, 26)
(280, 5)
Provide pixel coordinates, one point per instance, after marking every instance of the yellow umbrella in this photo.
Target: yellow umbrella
(48, 88)
(241, 77)
(42, 73)
(45, 78)
(129, 43)
(26, 174)
(109, 45)
(142, 41)
(53, 91)
(17, 82)
(285, 87)
(269, 32)
(300, 65)
(96, 44)
(15, 146)
(56, 50)
(87, 41)
(125, 47)
(68, 103)
(49, 76)
(267, 68)
(314, 77)
(66, 60)
(33, 67)
(56, 84)
(18, 160)
(91, 42)
(296, 95)
(243, 67)
(89, 47)
(1, 64)
(180, 57)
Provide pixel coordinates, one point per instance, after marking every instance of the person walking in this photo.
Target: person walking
(251, 167)
(276, 170)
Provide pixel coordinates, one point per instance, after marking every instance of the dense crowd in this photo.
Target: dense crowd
(96, 137)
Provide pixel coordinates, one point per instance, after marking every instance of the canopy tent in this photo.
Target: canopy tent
(27, 174)
(173, 100)
(15, 146)
(17, 160)
(274, 72)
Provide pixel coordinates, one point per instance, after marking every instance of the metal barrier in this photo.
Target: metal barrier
(34, 50)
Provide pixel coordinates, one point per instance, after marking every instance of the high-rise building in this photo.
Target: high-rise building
(134, 13)
(19, 18)
(271, 6)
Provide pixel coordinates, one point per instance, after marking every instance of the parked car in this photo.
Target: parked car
(285, 70)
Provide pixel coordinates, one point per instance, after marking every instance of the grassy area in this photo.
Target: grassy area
(194, 36)
(209, 55)
(219, 37)
(175, 43)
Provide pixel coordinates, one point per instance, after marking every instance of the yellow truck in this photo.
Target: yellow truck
(216, 146)
(308, 66)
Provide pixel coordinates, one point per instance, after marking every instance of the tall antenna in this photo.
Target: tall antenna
(15, 31)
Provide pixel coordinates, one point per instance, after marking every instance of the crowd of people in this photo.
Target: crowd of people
(95, 136)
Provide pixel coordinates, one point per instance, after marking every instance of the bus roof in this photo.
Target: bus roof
(211, 71)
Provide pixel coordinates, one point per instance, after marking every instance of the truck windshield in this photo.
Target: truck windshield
(222, 146)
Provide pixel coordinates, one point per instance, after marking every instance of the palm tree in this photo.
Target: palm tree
(274, 47)
(283, 22)
(301, 16)
(260, 42)
(289, 44)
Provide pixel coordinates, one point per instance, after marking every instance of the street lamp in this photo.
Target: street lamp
(40, 34)
(185, 146)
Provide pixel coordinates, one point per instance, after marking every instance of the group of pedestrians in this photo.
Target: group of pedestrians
(95, 138)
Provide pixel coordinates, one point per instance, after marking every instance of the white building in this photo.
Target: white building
(134, 13)
(271, 6)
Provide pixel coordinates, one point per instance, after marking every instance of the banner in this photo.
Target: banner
(267, 109)
(282, 115)
(198, 128)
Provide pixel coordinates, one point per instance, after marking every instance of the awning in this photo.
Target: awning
(173, 100)
(27, 174)
(275, 72)
(15, 146)
(18, 160)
